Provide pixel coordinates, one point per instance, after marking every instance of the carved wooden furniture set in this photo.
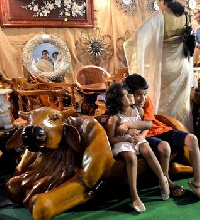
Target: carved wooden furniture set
(90, 81)
(28, 96)
(66, 156)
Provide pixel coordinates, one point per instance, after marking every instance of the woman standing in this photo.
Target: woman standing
(156, 51)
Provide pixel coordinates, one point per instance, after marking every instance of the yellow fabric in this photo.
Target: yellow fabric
(173, 26)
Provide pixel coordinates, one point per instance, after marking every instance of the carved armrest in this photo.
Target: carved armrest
(171, 122)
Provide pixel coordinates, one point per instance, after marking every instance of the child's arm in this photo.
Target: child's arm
(143, 134)
(112, 124)
(131, 127)
(139, 125)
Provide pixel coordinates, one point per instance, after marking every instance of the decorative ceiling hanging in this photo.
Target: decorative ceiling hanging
(128, 6)
(94, 48)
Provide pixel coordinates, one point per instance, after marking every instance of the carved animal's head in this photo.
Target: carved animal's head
(44, 129)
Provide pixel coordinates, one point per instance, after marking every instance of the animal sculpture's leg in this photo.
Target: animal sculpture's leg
(47, 205)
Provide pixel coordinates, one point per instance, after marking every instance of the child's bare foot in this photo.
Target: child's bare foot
(164, 188)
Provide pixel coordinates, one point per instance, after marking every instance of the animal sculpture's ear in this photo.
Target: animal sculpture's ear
(16, 140)
(72, 137)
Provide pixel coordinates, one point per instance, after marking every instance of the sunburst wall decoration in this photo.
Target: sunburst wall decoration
(94, 48)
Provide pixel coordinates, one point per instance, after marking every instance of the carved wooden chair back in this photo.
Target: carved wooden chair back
(90, 79)
(47, 94)
(33, 95)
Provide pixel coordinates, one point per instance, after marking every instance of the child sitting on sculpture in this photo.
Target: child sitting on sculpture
(163, 139)
(120, 106)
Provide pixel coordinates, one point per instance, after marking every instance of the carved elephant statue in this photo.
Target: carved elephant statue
(65, 159)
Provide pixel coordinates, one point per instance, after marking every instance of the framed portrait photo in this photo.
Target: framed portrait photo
(47, 13)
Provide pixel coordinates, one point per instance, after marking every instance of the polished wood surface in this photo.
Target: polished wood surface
(90, 82)
(27, 96)
(71, 160)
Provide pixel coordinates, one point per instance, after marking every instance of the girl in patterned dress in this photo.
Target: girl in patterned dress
(121, 107)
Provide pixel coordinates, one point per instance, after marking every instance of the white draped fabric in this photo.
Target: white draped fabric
(161, 62)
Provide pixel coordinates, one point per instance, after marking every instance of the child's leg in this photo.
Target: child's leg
(151, 159)
(164, 152)
(131, 166)
(192, 142)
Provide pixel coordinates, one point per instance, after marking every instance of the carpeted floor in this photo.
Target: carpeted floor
(113, 203)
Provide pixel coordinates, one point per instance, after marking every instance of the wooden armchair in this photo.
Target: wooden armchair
(90, 79)
(90, 82)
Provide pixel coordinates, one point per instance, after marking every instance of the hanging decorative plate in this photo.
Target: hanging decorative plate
(155, 5)
(192, 4)
(128, 6)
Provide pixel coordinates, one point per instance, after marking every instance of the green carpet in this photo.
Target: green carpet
(113, 203)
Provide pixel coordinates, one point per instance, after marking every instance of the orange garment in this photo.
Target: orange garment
(157, 126)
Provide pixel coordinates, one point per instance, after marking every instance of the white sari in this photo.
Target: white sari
(162, 63)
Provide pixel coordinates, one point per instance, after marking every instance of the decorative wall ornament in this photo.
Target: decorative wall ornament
(57, 42)
(191, 4)
(66, 8)
(47, 13)
(151, 6)
(94, 48)
(120, 49)
(155, 5)
(128, 6)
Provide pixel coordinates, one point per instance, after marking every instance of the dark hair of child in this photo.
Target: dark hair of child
(134, 82)
(114, 97)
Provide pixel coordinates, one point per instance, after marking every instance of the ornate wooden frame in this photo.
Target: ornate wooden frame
(12, 15)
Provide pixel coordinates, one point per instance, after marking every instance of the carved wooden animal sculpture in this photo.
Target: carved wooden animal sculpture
(70, 157)
(63, 162)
